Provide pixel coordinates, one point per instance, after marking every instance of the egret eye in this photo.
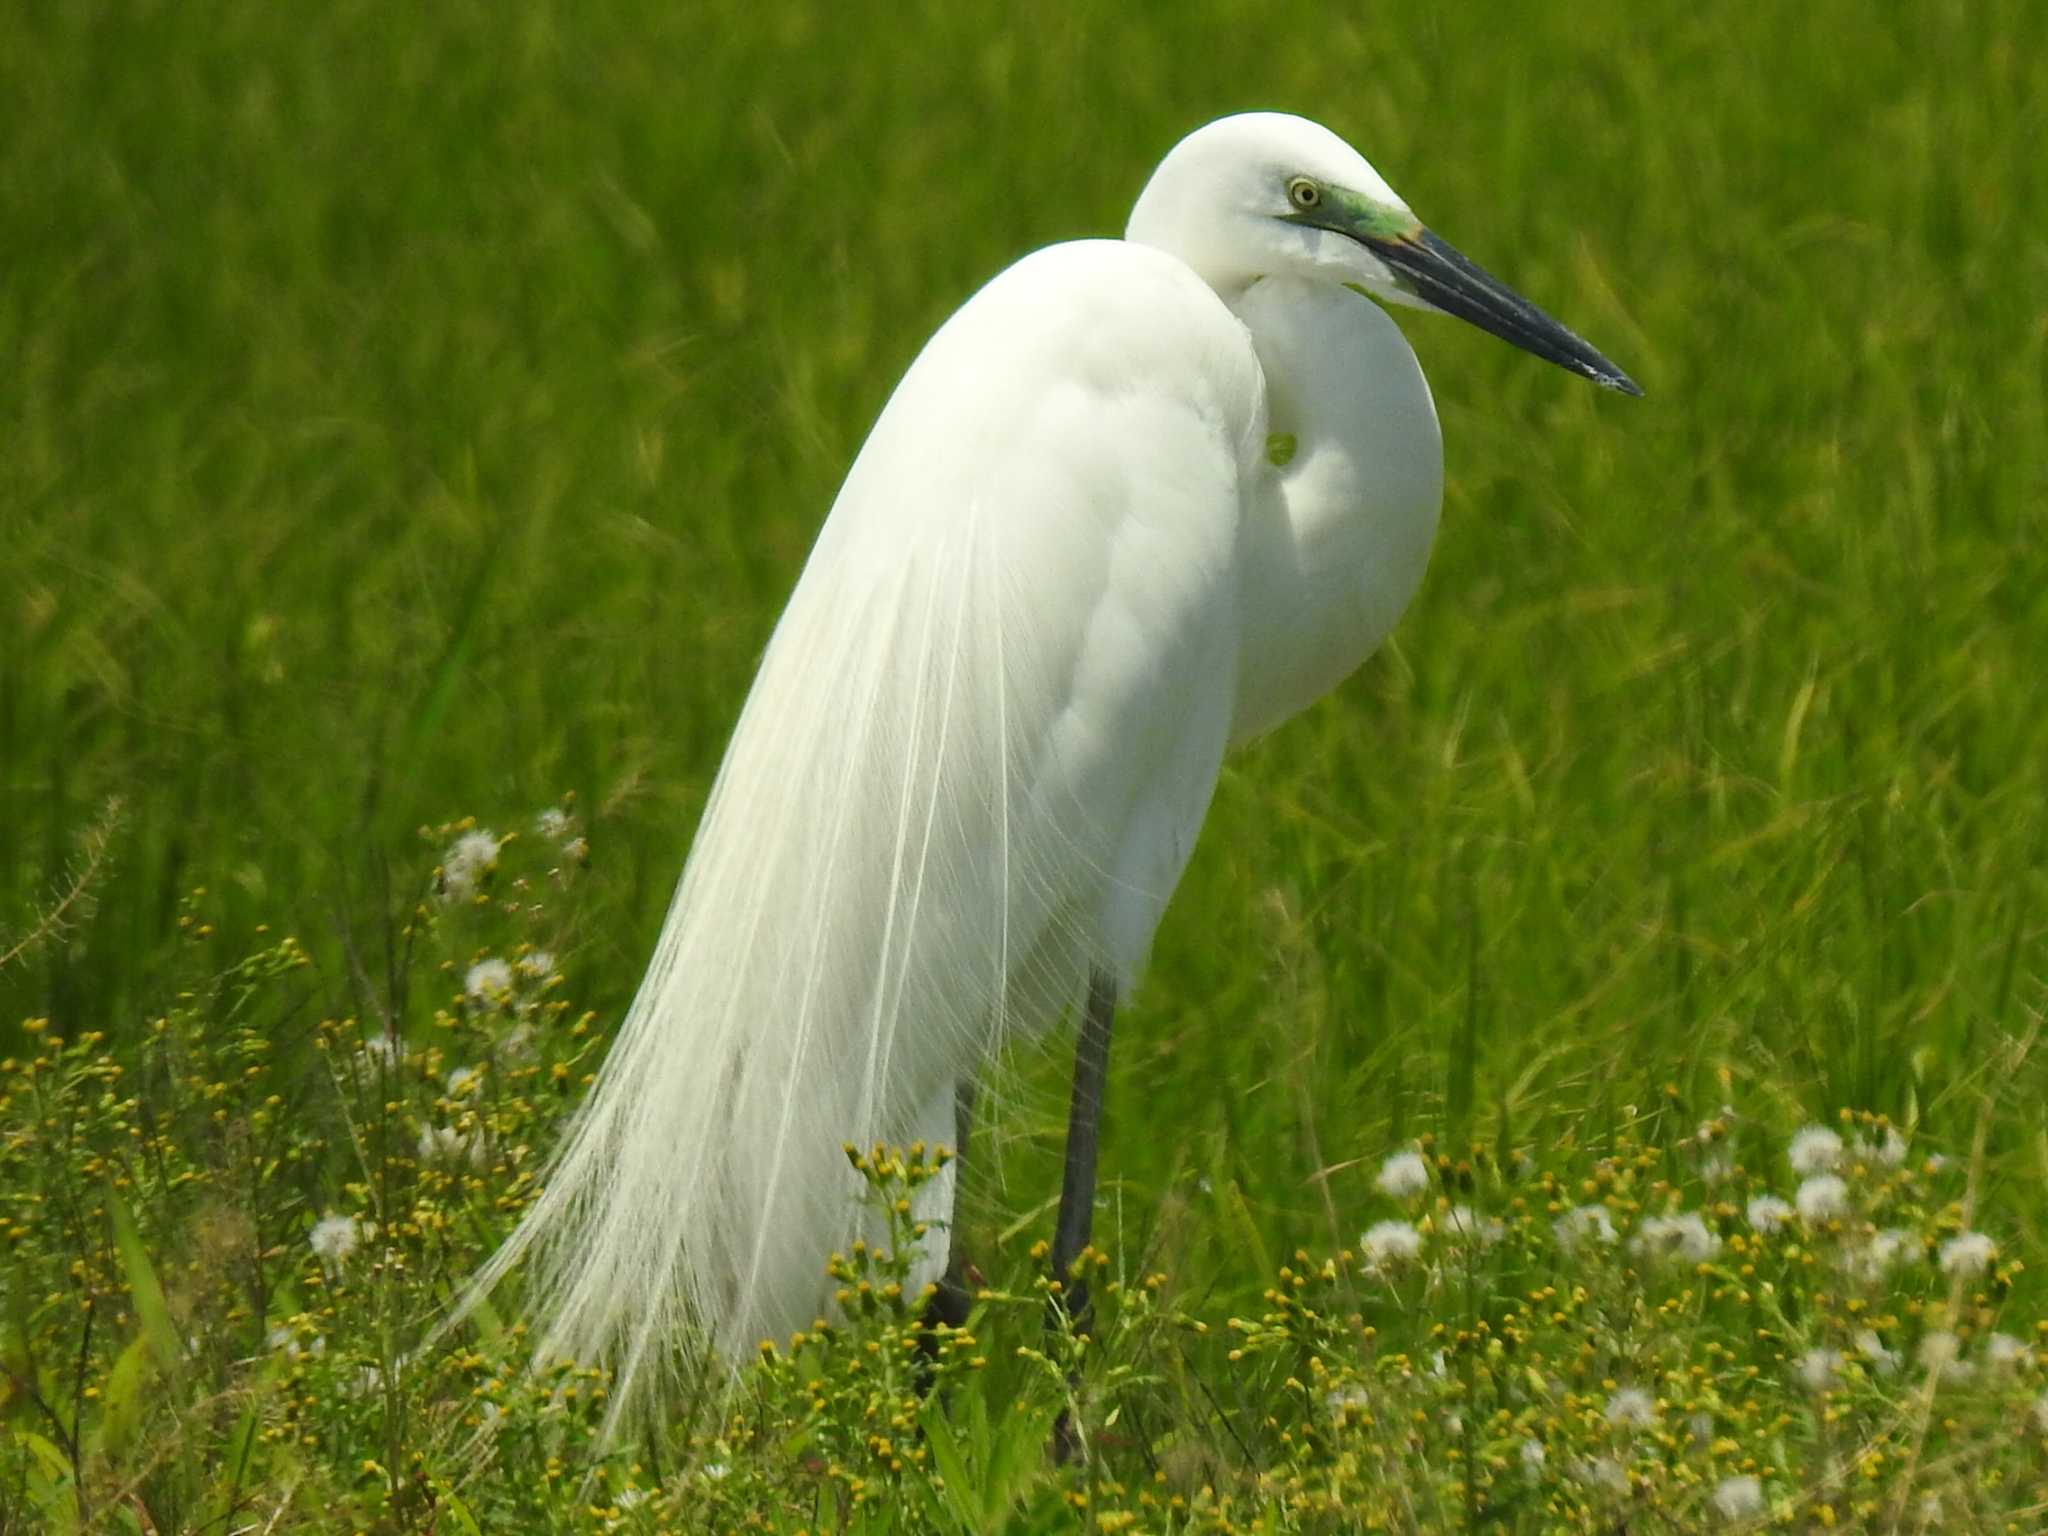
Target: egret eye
(1303, 193)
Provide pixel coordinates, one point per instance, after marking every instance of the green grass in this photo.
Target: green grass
(424, 415)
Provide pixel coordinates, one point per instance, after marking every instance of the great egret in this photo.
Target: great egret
(1137, 501)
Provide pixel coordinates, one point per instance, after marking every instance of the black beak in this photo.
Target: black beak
(1435, 272)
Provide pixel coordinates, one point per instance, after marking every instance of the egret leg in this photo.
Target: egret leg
(954, 1298)
(1084, 1126)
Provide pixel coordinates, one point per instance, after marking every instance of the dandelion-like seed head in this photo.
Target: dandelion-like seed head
(1815, 1149)
(1817, 1369)
(1583, 1224)
(554, 824)
(1822, 1198)
(1388, 1243)
(1967, 1253)
(444, 1144)
(1403, 1176)
(1941, 1356)
(1871, 1347)
(334, 1238)
(1470, 1226)
(2002, 1351)
(1533, 1455)
(488, 981)
(1683, 1236)
(1631, 1408)
(538, 963)
(1768, 1214)
(468, 860)
(1738, 1498)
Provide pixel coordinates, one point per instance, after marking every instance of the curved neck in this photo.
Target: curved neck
(1337, 539)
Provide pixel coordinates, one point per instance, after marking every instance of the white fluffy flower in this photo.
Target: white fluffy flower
(1870, 1261)
(1631, 1408)
(1941, 1356)
(471, 857)
(445, 1144)
(1533, 1456)
(1403, 1175)
(1768, 1214)
(461, 1079)
(538, 963)
(1872, 1348)
(335, 1238)
(1603, 1472)
(1684, 1236)
(2002, 1351)
(1581, 1224)
(1390, 1242)
(1822, 1198)
(387, 1051)
(1817, 1368)
(1891, 1149)
(1738, 1498)
(1967, 1253)
(1815, 1149)
(1468, 1225)
(488, 981)
(554, 823)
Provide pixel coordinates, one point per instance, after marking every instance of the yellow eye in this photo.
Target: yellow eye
(1303, 193)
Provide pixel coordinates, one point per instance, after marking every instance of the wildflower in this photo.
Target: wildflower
(1581, 1223)
(1717, 1168)
(1941, 1356)
(1815, 1149)
(1348, 1400)
(577, 850)
(488, 981)
(554, 824)
(1390, 1242)
(334, 1239)
(1738, 1498)
(1817, 1367)
(445, 1144)
(287, 1340)
(1468, 1225)
(1967, 1253)
(461, 1078)
(387, 1051)
(1824, 1197)
(1603, 1472)
(1684, 1236)
(1533, 1456)
(2002, 1351)
(1872, 1348)
(473, 856)
(1768, 1214)
(539, 964)
(1871, 1260)
(518, 1045)
(1403, 1175)
(713, 1471)
(1891, 1151)
(1631, 1408)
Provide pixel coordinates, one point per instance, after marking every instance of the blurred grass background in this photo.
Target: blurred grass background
(417, 413)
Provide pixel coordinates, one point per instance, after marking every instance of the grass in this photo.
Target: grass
(417, 418)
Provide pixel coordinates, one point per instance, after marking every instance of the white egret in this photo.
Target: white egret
(1137, 501)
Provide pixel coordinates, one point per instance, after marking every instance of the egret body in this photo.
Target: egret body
(1137, 501)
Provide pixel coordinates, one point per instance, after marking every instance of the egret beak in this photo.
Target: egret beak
(1434, 272)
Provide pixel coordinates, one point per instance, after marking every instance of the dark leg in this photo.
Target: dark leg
(1077, 1187)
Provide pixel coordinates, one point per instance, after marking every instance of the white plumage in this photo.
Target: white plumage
(1063, 575)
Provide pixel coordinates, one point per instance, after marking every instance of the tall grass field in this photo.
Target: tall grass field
(1590, 1078)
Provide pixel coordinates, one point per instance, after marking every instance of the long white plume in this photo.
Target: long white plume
(979, 747)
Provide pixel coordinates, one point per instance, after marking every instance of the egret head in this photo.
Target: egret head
(1264, 194)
